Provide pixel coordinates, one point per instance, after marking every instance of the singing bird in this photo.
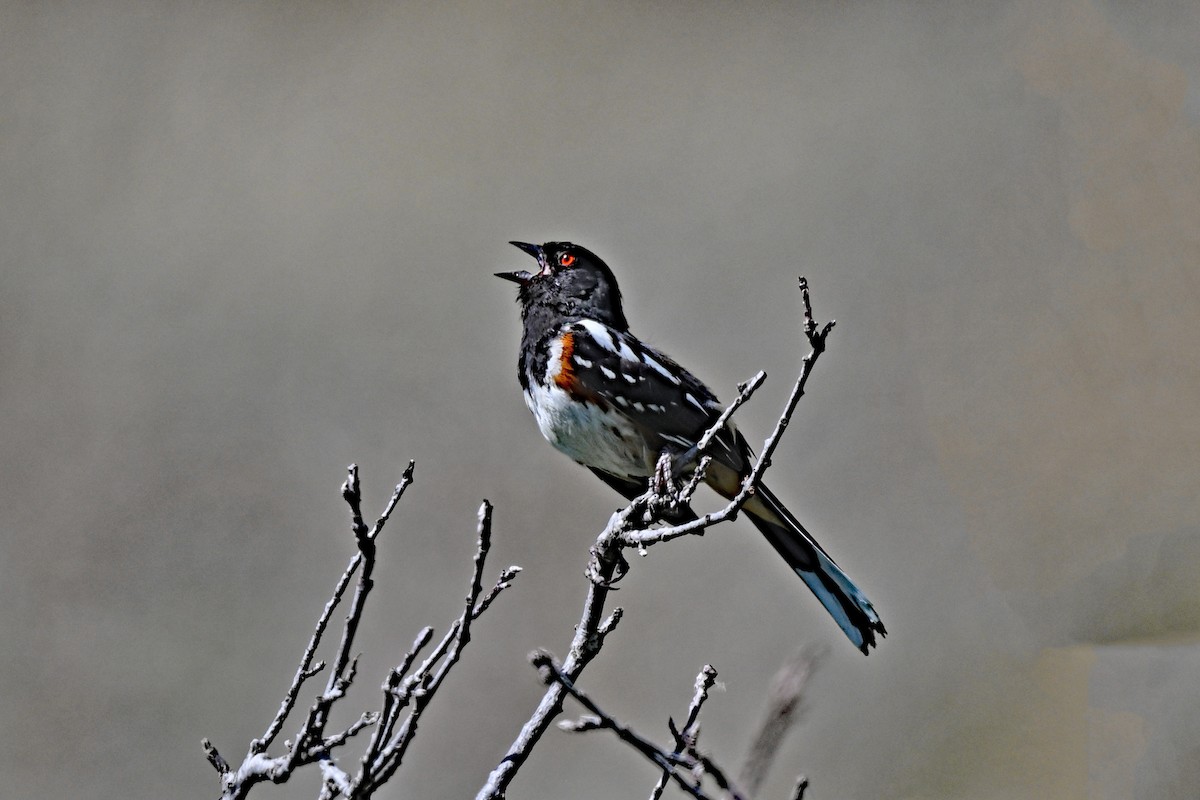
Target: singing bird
(615, 404)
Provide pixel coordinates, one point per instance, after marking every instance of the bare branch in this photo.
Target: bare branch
(344, 667)
(689, 488)
(397, 493)
(705, 681)
(303, 672)
(367, 719)
(685, 737)
(401, 690)
(394, 701)
(745, 391)
(671, 763)
(590, 634)
(503, 582)
(216, 759)
(353, 498)
(336, 781)
(421, 686)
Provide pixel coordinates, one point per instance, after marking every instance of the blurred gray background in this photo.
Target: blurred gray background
(245, 245)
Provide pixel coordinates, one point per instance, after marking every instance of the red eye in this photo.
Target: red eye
(566, 259)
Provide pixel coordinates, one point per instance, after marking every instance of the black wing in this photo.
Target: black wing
(671, 407)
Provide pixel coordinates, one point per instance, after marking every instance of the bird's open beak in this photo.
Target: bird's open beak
(520, 276)
(532, 249)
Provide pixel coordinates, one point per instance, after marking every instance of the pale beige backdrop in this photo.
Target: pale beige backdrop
(242, 245)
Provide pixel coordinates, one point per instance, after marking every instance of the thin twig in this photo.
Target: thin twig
(394, 701)
(397, 493)
(423, 684)
(342, 673)
(303, 672)
(367, 719)
(589, 637)
(336, 781)
(503, 582)
(669, 762)
(215, 758)
(745, 391)
(686, 736)
(256, 767)
(311, 744)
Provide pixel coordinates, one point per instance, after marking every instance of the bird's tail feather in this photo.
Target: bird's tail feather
(842, 599)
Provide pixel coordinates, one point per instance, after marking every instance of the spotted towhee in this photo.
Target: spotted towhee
(614, 404)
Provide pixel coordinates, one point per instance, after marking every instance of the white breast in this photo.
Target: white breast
(596, 438)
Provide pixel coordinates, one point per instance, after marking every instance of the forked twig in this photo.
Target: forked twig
(404, 688)
(685, 766)
(685, 737)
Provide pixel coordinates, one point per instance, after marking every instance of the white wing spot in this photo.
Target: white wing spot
(656, 408)
(608, 373)
(583, 362)
(628, 378)
(621, 401)
(638, 407)
(602, 334)
(691, 399)
(651, 362)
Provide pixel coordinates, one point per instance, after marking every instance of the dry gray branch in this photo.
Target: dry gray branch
(422, 685)
(686, 766)
(685, 737)
(404, 688)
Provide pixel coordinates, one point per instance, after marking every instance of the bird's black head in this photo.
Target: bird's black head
(571, 281)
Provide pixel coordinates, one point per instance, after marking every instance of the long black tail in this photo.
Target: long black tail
(841, 598)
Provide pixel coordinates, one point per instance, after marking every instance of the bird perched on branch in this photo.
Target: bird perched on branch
(615, 404)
